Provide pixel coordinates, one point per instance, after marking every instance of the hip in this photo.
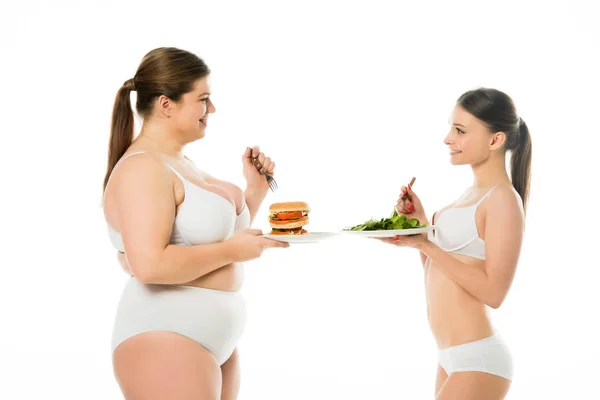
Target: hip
(214, 318)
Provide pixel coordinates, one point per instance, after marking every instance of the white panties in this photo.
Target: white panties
(490, 355)
(213, 318)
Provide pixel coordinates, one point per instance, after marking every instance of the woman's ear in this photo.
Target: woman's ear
(498, 140)
(165, 106)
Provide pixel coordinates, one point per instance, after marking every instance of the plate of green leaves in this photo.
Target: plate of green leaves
(389, 227)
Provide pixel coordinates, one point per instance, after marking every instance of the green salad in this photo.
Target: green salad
(395, 222)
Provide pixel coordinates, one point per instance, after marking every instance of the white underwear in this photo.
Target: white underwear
(490, 355)
(213, 318)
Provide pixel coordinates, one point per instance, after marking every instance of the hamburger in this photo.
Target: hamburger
(288, 218)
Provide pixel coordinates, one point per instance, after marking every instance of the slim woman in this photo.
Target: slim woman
(471, 258)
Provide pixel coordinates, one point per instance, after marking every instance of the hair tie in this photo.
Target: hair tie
(129, 84)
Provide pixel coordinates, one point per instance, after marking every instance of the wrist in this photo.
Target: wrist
(258, 193)
(425, 245)
(229, 252)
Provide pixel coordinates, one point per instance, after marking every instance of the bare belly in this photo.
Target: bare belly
(228, 278)
(455, 316)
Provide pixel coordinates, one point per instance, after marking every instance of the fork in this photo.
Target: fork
(412, 182)
(270, 180)
(404, 196)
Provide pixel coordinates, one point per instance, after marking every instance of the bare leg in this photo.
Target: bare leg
(165, 365)
(440, 379)
(230, 371)
(474, 386)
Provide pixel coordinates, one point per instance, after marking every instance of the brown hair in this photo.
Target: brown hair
(163, 71)
(497, 110)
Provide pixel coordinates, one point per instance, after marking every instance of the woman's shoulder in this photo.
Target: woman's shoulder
(504, 193)
(136, 165)
(139, 161)
(504, 203)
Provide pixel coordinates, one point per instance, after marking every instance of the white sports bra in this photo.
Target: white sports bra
(456, 230)
(203, 217)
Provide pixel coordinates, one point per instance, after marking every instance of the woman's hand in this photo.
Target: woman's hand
(410, 205)
(414, 241)
(254, 178)
(250, 244)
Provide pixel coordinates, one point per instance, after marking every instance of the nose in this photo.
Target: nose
(448, 139)
(211, 107)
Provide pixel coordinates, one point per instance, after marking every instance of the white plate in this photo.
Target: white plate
(390, 233)
(310, 237)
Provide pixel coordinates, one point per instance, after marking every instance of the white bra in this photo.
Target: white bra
(203, 217)
(456, 231)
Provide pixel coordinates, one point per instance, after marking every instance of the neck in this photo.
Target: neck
(491, 172)
(160, 138)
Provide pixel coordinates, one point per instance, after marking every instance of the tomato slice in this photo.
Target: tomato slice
(289, 215)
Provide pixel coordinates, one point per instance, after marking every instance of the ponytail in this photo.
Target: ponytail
(121, 130)
(165, 71)
(520, 163)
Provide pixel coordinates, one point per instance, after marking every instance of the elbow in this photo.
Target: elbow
(495, 301)
(144, 278)
(494, 304)
(145, 266)
(146, 273)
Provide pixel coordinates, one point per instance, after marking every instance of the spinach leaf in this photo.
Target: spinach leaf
(393, 223)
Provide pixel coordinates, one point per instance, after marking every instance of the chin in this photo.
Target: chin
(199, 134)
(455, 161)
(461, 159)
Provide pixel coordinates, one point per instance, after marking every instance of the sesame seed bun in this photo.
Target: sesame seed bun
(289, 206)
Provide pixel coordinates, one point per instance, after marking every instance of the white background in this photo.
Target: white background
(351, 99)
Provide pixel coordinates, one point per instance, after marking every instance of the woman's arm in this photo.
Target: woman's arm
(145, 202)
(423, 258)
(423, 255)
(256, 184)
(489, 280)
(254, 198)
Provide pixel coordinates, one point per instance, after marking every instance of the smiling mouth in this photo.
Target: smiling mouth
(203, 120)
(454, 152)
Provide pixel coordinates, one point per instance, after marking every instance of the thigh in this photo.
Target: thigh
(230, 372)
(165, 365)
(440, 379)
(474, 386)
